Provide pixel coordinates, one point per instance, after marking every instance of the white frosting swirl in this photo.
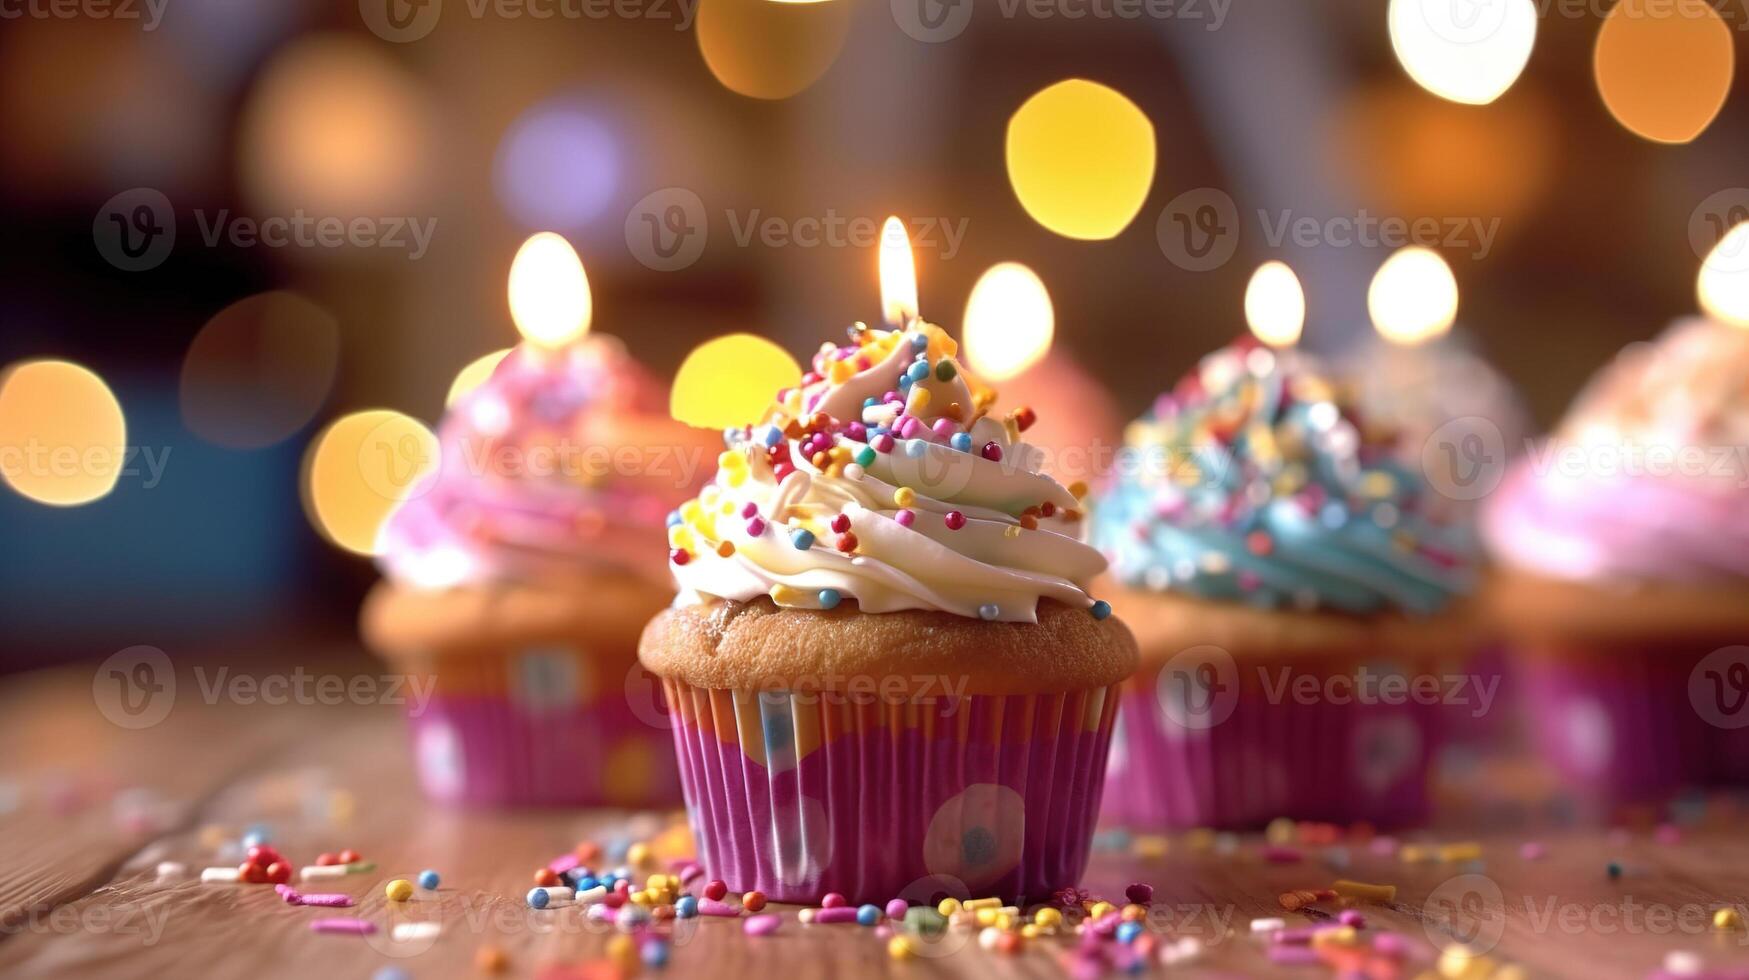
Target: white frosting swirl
(827, 499)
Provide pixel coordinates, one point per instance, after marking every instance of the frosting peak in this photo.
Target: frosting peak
(1255, 481)
(883, 477)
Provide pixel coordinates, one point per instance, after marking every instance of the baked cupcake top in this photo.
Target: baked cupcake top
(1647, 478)
(1254, 481)
(883, 477)
(560, 465)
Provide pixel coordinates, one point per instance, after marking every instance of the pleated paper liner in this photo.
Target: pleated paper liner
(1254, 753)
(797, 795)
(544, 725)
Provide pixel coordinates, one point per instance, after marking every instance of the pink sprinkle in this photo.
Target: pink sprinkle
(1532, 850)
(1390, 944)
(1667, 833)
(761, 925)
(756, 527)
(690, 873)
(1249, 581)
(288, 893)
(1383, 846)
(751, 510)
(834, 915)
(352, 927)
(708, 906)
(329, 900)
(1293, 955)
(832, 900)
(909, 428)
(566, 862)
(943, 427)
(1352, 917)
(1276, 854)
(897, 908)
(904, 517)
(883, 443)
(954, 520)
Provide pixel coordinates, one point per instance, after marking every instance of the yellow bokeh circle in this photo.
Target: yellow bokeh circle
(359, 469)
(731, 381)
(1081, 159)
(63, 437)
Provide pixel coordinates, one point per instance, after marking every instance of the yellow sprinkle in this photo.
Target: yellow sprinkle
(1366, 892)
(1341, 936)
(691, 510)
(1200, 839)
(1011, 531)
(680, 536)
(787, 595)
(918, 401)
(1281, 830)
(1006, 921)
(1414, 854)
(840, 372)
(948, 906)
(987, 917)
(904, 496)
(737, 477)
(1133, 913)
(642, 897)
(732, 460)
(1101, 909)
(1078, 489)
(399, 890)
(1150, 846)
(1378, 484)
(623, 951)
(1047, 918)
(1029, 931)
(900, 948)
(981, 903)
(1727, 918)
(1465, 851)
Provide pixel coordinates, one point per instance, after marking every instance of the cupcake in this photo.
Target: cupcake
(1626, 547)
(1289, 582)
(887, 675)
(518, 577)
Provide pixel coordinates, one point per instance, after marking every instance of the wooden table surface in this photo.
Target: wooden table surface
(88, 809)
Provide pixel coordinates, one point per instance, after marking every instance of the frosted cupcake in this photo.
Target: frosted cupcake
(888, 675)
(1288, 584)
(519, 576)
(1627, 543)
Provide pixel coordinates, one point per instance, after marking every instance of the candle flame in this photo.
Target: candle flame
(1413, 297)
(898, 274)
(1723, 283)
(1009, 321)
(1275, 305)
(549, 293)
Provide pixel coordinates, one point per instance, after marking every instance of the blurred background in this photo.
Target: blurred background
(248, 219)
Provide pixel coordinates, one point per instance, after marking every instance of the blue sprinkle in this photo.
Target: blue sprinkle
(391, 973)
(674, 518)
(656, 953)
(802, 538)
(429, 879)
(919, 341)
(961, 441)
(989, 610)
(917, 371)
(829, 598)
(1128, 931)
(622, 872)
(914, 448)
(1101, 609)
(870, 402)
(770, 436)
(868, 915)
(1333, 515)
(905, 383)
(538, 898)
(686, 907)
(586, 882)
(257, 835)
(731, 436)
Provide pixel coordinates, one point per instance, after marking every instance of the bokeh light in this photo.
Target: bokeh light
(1275, 304)
(473, 375)
(62, 433)
(334, 128)
(1723, 283)
(549, 293)
(1009, 322)
(1081, 157)
(558, 166)
(259, 370)
(1413, 297)
(769, 50)
(1664, 67)
(1462, 50)
(898, 273)
(359, 469)
(731, 381)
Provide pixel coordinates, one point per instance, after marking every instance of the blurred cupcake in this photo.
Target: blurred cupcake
(1626, 541)
(1289, 588)
(888, 676)
(519, 576)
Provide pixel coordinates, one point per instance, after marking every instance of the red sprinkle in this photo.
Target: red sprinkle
(841, 523)
(679, 556)
(954, 520)
(992, 452)
(1024, 417)
(715, 890)
(847, 542)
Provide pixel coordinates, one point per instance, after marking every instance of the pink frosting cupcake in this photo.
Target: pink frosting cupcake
(519, 575)
(1625, 541)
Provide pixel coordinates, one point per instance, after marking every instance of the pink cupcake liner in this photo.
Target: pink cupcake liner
(552, 749)
(1250, 759)
(798, 795)
(1639, 726)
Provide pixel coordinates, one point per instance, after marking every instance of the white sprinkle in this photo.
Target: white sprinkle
(220, 875)
(590, 896)
(171, 869)
(1683, 963)
(1268, 925)
(404, 932)
(322, 871)
(560, 893)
